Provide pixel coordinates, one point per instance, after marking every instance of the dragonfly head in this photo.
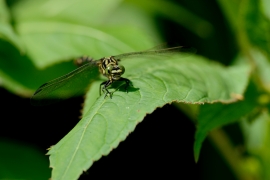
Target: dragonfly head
(115, 71)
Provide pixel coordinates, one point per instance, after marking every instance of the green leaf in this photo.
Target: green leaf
(189, 20)
(66, 41)
(231, 10)
(265, 4)
(83, 12)
(257, 139)
(156, 81)
(216, 115)
(4, 14)
(20, 161)
(60, 33)
(253, 17)
(243, 16)
(6, 30)
(79, 28)
(263, 68)
(20, 76)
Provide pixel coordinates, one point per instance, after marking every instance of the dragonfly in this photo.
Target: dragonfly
(75, 83)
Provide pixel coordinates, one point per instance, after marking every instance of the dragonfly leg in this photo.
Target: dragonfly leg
(106, 84)
(105, 90)
(100, 87)
(127, 81)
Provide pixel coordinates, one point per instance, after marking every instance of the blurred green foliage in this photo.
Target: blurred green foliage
(39, 38)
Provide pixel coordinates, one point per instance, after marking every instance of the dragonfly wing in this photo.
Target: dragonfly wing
(67, 86)
(180, 51)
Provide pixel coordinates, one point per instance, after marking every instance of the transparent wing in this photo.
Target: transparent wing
(67, 86)
(180, 51)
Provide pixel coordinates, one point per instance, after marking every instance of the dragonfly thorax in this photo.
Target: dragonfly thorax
(110, 68)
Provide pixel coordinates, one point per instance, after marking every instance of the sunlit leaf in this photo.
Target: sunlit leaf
(156, 82)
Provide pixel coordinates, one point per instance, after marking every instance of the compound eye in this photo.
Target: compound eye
(109, 69)
(122, 69)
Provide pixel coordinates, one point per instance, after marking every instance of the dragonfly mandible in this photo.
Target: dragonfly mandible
(76, 82)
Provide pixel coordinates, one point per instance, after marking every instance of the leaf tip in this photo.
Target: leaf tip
(196, 157)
